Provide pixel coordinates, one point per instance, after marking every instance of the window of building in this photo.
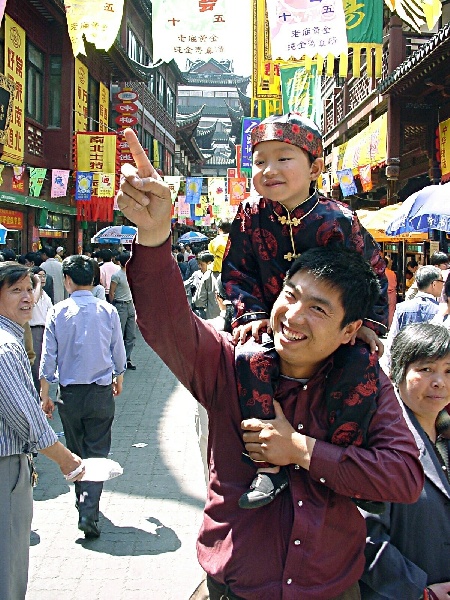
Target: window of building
(134, 47)
(93, 93)
(34, 83)
(221, 94)
(54, 94)
(160, 89)
(170, 103)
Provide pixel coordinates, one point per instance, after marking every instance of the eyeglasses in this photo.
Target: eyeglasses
(439, 280)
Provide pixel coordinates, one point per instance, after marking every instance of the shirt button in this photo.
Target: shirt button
(299, 426)
(305, 387)
(289, 581)
(300, 502)
(296, 467)
(297, 542)
(322, 480)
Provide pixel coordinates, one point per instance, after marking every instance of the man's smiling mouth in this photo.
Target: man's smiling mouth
(291, 335)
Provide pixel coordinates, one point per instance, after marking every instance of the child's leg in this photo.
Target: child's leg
(257, 370)
(351, 397)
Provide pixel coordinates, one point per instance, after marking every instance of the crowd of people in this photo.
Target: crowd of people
(328, 476)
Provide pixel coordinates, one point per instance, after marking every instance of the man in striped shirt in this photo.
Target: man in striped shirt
(23, 430)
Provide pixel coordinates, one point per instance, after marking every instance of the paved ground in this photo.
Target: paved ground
(150, 516)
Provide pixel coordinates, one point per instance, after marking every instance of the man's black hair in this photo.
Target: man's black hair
(49, 251)
(106, 255)
(225, 226)
(79, 268)
(347, 272)
(438, 258)
(124, 257)
(8, 254)
(11, 272)
(417, 342)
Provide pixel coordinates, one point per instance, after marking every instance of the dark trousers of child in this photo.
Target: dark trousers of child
(350, 393)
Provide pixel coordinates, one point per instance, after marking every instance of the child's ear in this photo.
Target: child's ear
(316, 168)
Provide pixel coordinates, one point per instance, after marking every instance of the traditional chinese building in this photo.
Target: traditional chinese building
(405, 106)
(214, 89)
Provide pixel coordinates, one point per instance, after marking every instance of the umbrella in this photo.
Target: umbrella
(415, 214)
(191, 237)
(376, 221)
(432, 209)
(115, 234)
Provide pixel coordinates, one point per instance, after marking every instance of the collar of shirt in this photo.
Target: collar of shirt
(12, 327)
(81, 293)
(428, 296)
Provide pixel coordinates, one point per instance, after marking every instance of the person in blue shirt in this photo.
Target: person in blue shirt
(83, 349)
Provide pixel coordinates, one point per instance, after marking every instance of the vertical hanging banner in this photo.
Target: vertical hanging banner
(198, 29)
(307, 28)
(193, 189)
(301, 92)
(81, 96)
(7, 91)
(13, 150)
(444, 146)
(83, 185)
(364, 23)
(238, 192)
(347, 182)
(97, 153)
(18, 184)
(99, 28)
(173, 181)
(103, 108)
(246, 145)
(156, 157)
(60, 179)
(216, 190)
(365, 176)
(36, 181)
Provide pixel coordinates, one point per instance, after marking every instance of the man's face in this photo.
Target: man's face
(16, 301)
(306, 320)
(443, 266)
(282, 172)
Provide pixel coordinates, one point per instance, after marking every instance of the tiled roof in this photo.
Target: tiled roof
(419, 64)
(209, 111)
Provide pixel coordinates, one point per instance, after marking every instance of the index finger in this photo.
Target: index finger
(143, 164)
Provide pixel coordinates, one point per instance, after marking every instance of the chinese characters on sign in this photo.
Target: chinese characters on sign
(97, 153)
(195, 29)
(103, 108)
(444, 145)
(301, 28)
(81, 95)
(15, 71)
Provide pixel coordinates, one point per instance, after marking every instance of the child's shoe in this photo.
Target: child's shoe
(264, 488)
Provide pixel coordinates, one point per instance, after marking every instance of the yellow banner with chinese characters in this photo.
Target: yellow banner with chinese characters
(369, 147)
(99, 22)
(444, 148)
(81, 96)
(13, 150)
(103, 108)
(96, 152)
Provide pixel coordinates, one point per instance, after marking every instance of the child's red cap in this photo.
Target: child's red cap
(292, 128)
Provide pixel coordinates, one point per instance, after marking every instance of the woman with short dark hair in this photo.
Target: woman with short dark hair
(407, 550)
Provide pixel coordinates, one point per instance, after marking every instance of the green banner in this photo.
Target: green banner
(37, 176)
(301, 93)
(364, 21)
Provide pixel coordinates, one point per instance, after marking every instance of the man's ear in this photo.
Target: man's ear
(316, 168)
(350, 329)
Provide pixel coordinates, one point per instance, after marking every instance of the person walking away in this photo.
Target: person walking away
(97, 290)
(120, 296)
(52, 267)
(392, 289)
(204, 301)
(24, 430)
(107, 268)
(83, 350)
(423, 307)
(218, 245)
(182, 265)
(37, 323)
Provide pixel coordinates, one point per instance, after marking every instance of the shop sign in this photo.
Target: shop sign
(126, 120)
(126, 96)
(129, 109)
(11, 219)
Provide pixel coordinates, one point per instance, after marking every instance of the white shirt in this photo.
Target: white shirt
(40, 310)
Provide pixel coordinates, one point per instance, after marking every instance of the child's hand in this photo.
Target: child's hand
(254, 328)
(369, 337)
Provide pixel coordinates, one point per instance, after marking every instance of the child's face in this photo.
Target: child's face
(282, 172)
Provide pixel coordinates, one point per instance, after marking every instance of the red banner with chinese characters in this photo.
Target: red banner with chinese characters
(11, 219)
(96, 152)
